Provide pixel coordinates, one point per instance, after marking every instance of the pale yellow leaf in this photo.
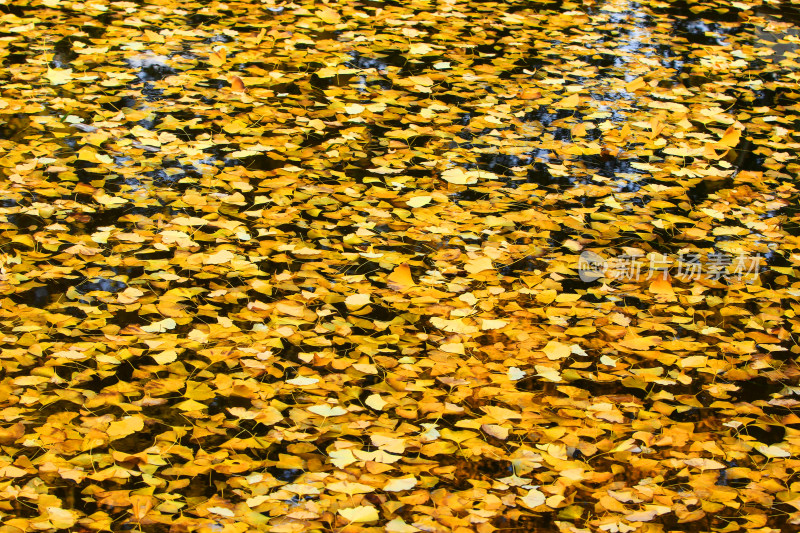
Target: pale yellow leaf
(61, 518)
(419, 49)
(223, 256)
(160, 326)
(398, 525)
(221, 511)
(302, 381)
(342, 458)
(168, 356)
(354, 109)
(533, 499)
(59, 76)
(772, 451)
(376, 402)
(328, 15)
(355, 301)
(419, 201)
(327, 410)
(397, 485)
(515, 373)
(498, 432)
(349, 487)
(487, 324)
(548, 373)
(453, 347)
(362, 513)
(458, 176)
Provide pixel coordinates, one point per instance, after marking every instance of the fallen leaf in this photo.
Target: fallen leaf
(354, 301)
(419, 201)
(124, 427)
(534, 498)
(59, 76)
(479, 264)
(400, 484)
(362, 513)
(459, 176)
(327, 410)
(400, 278)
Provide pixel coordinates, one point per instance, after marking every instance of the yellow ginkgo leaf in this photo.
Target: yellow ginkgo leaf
(354, 301)
(570, 101)
(634, 85)
(556, 350)
(217, 58)
(354, 109)
(59, 76)
(127, 426)
(376, 402)
(419, 49)
(328, 15)
(400, 278)
(362, 513)
(218, 258)
(772, 451)
(478, 264)
(731, 137)
(61, 518)
(161, 326)
(547, 372)
(487, 324)
(458, 176)
(342, 458)
(515, 374)
(348, 487)
(398, 525)
(419, 201)
(221, 511)
(327, 410)
(401, 484)
(534, 498)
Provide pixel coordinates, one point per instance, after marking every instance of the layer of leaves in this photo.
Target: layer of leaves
(302, 266)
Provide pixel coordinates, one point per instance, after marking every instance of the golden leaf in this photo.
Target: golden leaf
(350, 488)
(59, 76)
(419, 201)
(400, 484)
(400, 278)
(327, 410)
(124, 427)
(354, 301)
(487, 324)
(661, 286)
(420, 49)
(328, 15)
(217, 58)
(478, 264)
(556, 350)
(376, 402)
(570, 101)
(459, 176)
(237, 85)
(362, 513)
(61, 518)
(635, 84)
